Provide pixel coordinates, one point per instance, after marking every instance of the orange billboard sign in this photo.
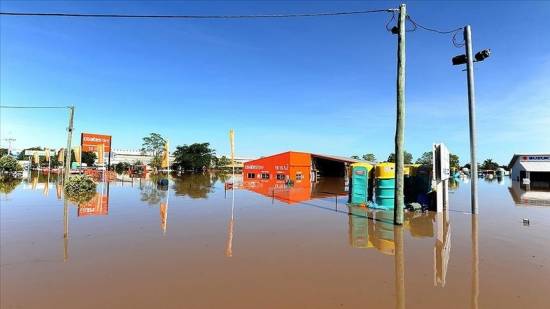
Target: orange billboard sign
(90, 142)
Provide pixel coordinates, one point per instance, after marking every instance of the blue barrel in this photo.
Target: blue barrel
(385, 193)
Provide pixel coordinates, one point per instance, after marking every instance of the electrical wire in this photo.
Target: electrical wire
(454, 32)
(195, 16)
(33, 107)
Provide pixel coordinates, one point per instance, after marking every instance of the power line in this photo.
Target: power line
(34, 107)
(454, 32)
(195, 16)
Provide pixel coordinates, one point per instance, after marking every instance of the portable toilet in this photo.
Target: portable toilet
(385, 185)
(359, 183)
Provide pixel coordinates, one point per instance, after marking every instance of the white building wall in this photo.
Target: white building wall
(516, 170)
(131, 156)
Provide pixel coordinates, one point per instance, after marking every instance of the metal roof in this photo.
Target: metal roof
(318, 155)
(338, 158)
(540, 166)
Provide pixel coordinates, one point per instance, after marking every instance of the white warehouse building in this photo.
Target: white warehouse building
(531, 169)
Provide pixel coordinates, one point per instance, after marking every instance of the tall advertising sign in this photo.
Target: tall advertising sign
(90, 141)
(98, 143)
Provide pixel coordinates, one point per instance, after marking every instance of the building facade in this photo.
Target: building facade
(531, 169)
(297, 166)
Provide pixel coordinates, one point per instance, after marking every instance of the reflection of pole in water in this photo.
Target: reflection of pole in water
(399, 259)
(65, 230)
(164, 212)
(442, 247)
(475, 263)
(229, 246)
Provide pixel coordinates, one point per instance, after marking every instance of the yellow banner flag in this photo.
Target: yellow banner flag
(35, 158)
(232, 143)
(100, 153)
(61, 155)
(166, 156)
(77, 154)
(47, 151)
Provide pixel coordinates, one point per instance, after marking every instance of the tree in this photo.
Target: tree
(425, 159)
(9, 166)
(355, 157)
(489, 164)
(454, 161)
(193, 157)
(220, 162)
(3, 151)
(154, 144)
(88, 157)
(369, 157)
(407, 156)
(122, 167)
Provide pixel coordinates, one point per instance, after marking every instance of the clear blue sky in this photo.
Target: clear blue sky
(323, 84)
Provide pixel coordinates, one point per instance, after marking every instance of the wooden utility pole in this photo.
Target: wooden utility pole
(472, 116)
(399, 201)
(69, 139)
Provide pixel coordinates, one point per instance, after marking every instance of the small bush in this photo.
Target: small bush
(9, 166)
(80, 188)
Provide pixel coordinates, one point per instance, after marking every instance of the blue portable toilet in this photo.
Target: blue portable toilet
(359, 183)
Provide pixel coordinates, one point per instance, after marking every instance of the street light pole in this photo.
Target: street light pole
(472, 116)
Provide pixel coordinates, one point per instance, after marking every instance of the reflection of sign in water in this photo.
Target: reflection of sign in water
(97, 206)
(90, 141)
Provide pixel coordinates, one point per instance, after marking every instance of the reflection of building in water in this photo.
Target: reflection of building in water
(297, 192)
(524, 197)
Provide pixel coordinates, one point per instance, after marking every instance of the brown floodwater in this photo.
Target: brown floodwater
(193, 244)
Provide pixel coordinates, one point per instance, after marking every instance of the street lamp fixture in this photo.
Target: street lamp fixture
(479, 56)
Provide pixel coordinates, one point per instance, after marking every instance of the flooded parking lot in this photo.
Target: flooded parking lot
(194, 244)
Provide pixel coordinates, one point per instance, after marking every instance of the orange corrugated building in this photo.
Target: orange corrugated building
(292, 165)
(269, 175)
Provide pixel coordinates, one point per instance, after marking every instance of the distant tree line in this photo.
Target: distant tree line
(194, 157)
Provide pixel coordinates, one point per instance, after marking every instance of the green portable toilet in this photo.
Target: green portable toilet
(359, 183)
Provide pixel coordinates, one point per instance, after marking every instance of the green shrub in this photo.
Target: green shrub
(80, 188)
(9, 165)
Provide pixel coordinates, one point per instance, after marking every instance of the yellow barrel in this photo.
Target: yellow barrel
(385, 170)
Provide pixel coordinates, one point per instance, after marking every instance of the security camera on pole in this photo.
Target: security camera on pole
(468, 59)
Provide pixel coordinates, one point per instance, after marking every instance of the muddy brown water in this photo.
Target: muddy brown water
(198, 246)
